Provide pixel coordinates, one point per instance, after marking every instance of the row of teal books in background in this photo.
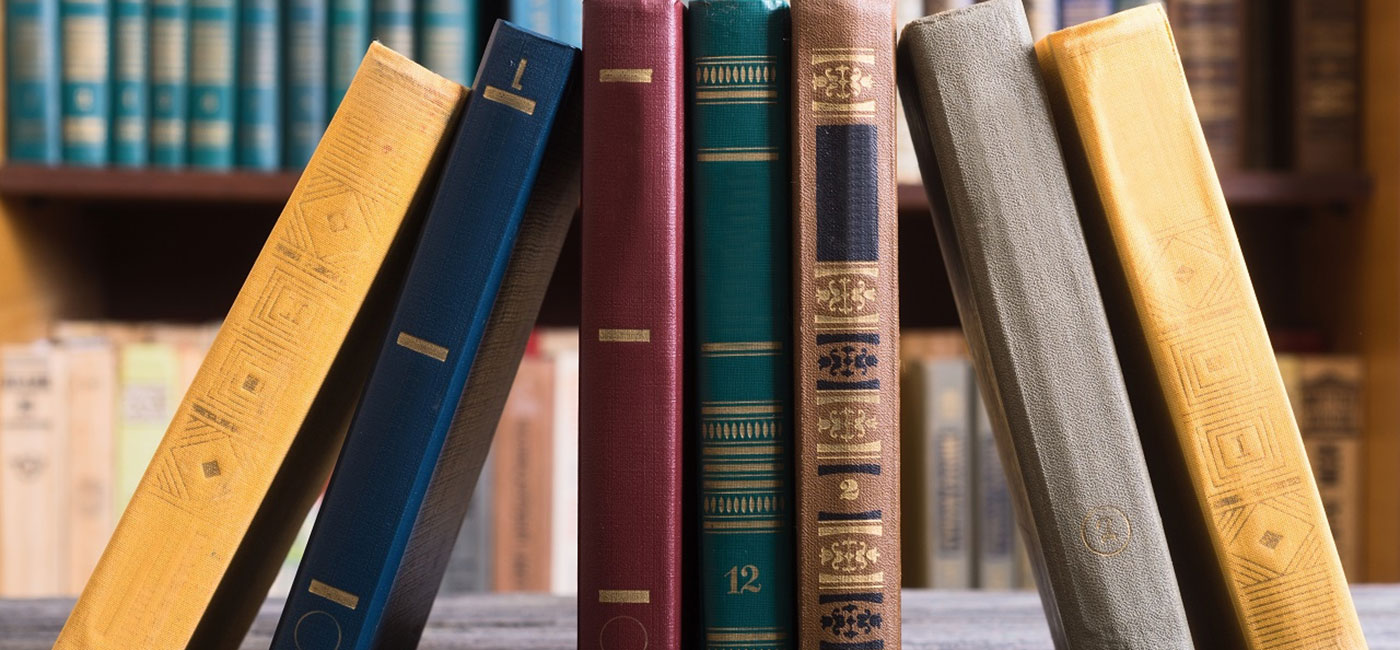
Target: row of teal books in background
(221, 84)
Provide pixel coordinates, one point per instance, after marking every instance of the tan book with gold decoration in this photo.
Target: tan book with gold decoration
(91, 394)
(1244, 521)
(255, 437)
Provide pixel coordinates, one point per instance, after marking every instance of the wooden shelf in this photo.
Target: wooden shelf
(150, 185)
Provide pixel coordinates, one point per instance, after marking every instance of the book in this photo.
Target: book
(260, 85)
(1326, 84)
(994, 526)
(33, 471)
(739, 108)
(560, 346)
(391, 23)
(149, 377)
(170, 82)
(305, 70)
(32, 82)
(522, 510)
(1210, 35)
(446, 362)
(1043, 16)
(630, 341)
(447, 38)
(1329, 413)
(535, 15)
(91, 396)
(213, 83)
(86, 37)
(131, 89)
(568, 15)
(846, 338)
(906, 162)
(1245, 523)
(937, 472)
(349, 36)
(1037, 331)
(195, 551)
(1074, 12)
(470, 567)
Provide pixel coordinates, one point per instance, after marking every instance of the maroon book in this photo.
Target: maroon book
(630, 366)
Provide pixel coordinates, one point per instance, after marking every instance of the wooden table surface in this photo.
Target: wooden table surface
(949, 620)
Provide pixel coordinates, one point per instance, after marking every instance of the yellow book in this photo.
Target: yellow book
(147, 393)
(254, 439)
(1224, 450)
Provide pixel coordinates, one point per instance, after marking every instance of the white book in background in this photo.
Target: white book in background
(91, 396)
(33, 476)
(561, 346)
(906, 160)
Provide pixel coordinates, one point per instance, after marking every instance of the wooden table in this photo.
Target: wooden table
(932, 619)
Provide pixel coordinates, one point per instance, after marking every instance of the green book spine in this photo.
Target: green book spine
(87, 81)
(739, 73)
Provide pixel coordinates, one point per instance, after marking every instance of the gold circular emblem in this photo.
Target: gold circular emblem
(318, 631)
(1106, 530)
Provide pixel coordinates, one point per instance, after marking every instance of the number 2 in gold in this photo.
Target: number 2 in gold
(748, 572)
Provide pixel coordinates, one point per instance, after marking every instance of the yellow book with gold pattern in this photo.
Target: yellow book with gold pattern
(254, 439)
(1244, 522)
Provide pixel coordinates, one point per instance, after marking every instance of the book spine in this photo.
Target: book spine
(1330, 419)
(534, 15)
(391, 23)
(33, 469)
(1210, 39)
(91, 399)
(1043, 17)
(563, 521)
(260, 85)
(1074, 12)
(630, 326)
(148, 375)
(1123, 5)
(305, 73)
(916, 474)
(847, 330)
(739, 109)
(213, 83)
(521, 542)
(87, 76)
(447, 38)
(470, 568)
(906, 161)
(948, 400)
(995, 525)
(349, 36)
(569, 21)
(170, 81)
(131, 89)
(1326, 81)
(32, 82)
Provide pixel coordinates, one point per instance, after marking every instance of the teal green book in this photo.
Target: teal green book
(738, 60)
(392, 24)
(86, 27)
(304, 103)
(31, 81)
(447, 38)
(170, 82)
(213, 68)
(260, 85)
(349, 39)
(131, 90)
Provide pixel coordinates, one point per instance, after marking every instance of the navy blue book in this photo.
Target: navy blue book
(418, 439)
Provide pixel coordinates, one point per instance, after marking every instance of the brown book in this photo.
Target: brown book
(1326, 69)
(523, 457)
(1329, 415)
(1210, 36)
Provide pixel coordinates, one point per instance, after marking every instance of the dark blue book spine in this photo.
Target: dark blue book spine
(131, 90)
(305, 72)
(213, 77)
(31, 77)
(87, 81)
(170, 81)
(260, 86)
(344, 584)
(349, 38)
(447, 38)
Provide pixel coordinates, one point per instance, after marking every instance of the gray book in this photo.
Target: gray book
(1035, 324)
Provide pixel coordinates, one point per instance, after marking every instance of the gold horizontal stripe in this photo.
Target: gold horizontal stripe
(836, 396)
(638, 596)
(743, 485)
(846, 320)
(736, 94)
(743, 628)
(877, 578)
(526, 106)
(337, 596)
(744, 524)
(736, 102)
(849, 448)
(721, 637)
(830, 107)
(756, 409)
(824, 530)
(624, 336)
(738, 346)
(740, 468)
(829, 58)
(425, 348)
(625, 75)
(737, 149)
(871, 269)
(727, 58)
(736, 157)
(740, 450)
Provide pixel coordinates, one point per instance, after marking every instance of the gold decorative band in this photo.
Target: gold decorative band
(526, 106)
(732, 637)
(736, 157)
(838, 396)
(743, 450)
(824, 530)
(720, 486)
(736, 94)
(829, 58)
(425, 348)
(624, 336)
(849, 448)
(871, 269)
(857, 107)
(741, 468)
(337, 596)
(744, 524)
(639, 596)
(731, 58)
(625, 75)
(742, 346)
(746, 409)
(868, 319)
(877, 578)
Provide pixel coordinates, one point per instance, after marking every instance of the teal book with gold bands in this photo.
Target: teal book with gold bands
(738, 60)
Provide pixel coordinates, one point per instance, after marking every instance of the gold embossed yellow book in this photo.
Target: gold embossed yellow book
(255, 436)
(1244, 522)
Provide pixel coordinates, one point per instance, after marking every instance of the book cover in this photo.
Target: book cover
(1028, 299)
(561, 347)
(936, 468)
(87, 81)
(260, 86)
(348, 38)
(426, 417)
(994, 526)
(391, 23)
(1326, 84)
(535, 15)
(524, 483)
(1329, 412)
(447, 41)
(305, 72)
(846, 334)
(1246, 525)
(131, 89)
(170, 82)
(630, 334)
(148, 375)
(91, 398)
(213, 83)
(739, 107)
(201, 541)
(1210, 36)
(33, 471)
(32, 82)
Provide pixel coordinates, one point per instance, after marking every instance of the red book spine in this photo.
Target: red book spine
(630, 339)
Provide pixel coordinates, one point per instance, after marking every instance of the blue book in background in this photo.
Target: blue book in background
(213, 83)
(535, 15)
(87, 81)
(349, 39)
(569, 21)
(427, 414)
(392, 24)
(447, 38)
(305, 70)
(131, 90)
(170, 81)
(260, 85)
(31, 77)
